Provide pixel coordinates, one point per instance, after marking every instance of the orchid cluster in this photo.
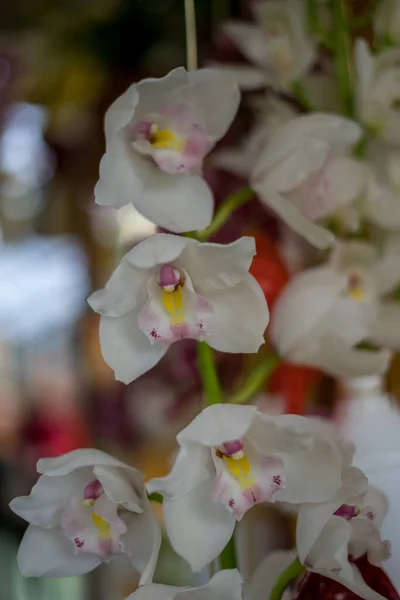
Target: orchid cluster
(330, 177)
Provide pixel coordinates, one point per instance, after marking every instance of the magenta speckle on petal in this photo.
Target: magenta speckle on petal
(154, 334)
(78, 543)
(232, 447)
(277, 480)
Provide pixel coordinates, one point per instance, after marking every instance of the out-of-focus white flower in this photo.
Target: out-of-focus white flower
(157, 134)
(381, 204)
(271, 114)
(328, 532)
(304, 175)
(326, 311)
(85, 508)
(232, 457)
(387, 21)
(169, 288)
(225, 585)
(278, 44)
(378, 90)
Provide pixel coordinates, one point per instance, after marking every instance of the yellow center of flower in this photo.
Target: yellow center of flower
(355, 287)
(173, 304)
(102, 525)
(240, 468)
(165, 139)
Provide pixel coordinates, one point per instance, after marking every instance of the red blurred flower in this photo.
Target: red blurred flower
(294, 383)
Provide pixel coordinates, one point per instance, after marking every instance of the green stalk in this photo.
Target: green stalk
(256, 380)
(298, 90)
(341, 48)
(292, 572)
(315, 26)
(209, 375)
(227, 558)
(223, 213)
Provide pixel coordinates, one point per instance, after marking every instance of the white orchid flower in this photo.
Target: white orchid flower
(378, 90)
(386, 21)
(325, 311)
(86, 507)
(271, 113)
(304, 175)
(157, 135)
(327, 533)
(348, 525)
(169, 288)
(278, 44)
(225, 585)
(232, 457)
(381, 204)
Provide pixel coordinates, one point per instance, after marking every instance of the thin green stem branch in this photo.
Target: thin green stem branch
(298, 90)
(315, 26)
(341, 47)
(227, 558)
(209, 375)
(223, 213)
(256, 380)
(292, 572)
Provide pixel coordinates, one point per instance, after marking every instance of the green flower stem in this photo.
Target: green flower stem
(155, 497)
(298, 90)
(341, 50)
(315, 26)
(227, 558)
(292, 572)
(209, 375)
(223, 213)
(256, 380)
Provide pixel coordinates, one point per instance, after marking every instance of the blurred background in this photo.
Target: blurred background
(62, 62)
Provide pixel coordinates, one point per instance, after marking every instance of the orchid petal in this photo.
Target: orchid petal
(178, 203)
(313, 517)
(198, 528)
(225, 585)
(217, 424)
(291, 215)
(126, 348)
(192, 467)
(305, 301)
(56, 557)
(119, 296)
(48, 498)
(120, 486)
(142, 541)
(216, 117)
(386, 329)
(227, 333)
(77, 459)
(266, 574)
(250, 40)
(158, 249)
(218, 266)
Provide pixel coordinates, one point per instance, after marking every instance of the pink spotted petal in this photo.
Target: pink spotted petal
(190, 159)
(89, 542)
(265, 478)
(190, 322)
